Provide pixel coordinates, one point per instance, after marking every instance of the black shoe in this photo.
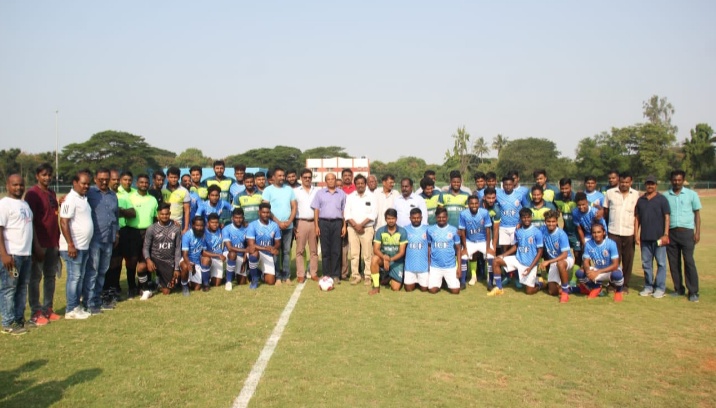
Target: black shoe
(205, 288)
(132, 293)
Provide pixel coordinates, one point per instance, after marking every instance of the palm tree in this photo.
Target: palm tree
(480, 148)
(498, 143)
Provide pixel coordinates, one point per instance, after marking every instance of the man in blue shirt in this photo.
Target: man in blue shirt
(527, 253)
(283, 209)
(600, 263)
(214, 251)
(263, 237)
(235, 244)
(584, 216)
(558, 260)
(684, 234)
(444, 241)
(416, 253)
(475, 229)
(192, 247)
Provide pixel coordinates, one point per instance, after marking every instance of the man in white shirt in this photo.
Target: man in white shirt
(407, 201)
(76, 233)
(15, 252)
(619, 204)
(384, 198)
(305, 231)
(360, 215)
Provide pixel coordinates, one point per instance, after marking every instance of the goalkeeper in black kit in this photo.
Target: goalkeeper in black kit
(162, 249)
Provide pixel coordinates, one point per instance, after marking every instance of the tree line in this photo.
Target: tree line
(642, 149)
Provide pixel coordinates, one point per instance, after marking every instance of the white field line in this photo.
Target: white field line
(257, 370)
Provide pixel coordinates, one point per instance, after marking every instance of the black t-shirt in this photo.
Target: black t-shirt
(651, 216)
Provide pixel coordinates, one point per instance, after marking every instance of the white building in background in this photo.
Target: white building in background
(321, 167)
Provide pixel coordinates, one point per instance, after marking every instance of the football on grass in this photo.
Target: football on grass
(326, 283)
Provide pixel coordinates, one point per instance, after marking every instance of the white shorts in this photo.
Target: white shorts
(436, 275)
(266, 263)
(507, 236)
(421, 278)
(239, 266)
(473, 247)
(512, 264)
(217, 268)
(196, 276)
(553, 275)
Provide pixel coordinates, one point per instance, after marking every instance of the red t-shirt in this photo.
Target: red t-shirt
(44, 216)
(349, 189)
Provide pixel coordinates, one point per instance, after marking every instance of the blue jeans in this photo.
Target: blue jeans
(649, 251)
(75, 275)
(283, 269)
(45, 271)
(97, 266)
(13, 290)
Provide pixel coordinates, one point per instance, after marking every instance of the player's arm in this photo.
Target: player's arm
(401, 252)
(463, 242)
(187, 212)
(495, 234)
(458, 269)
(540, 251)
(592, 274)
(185, 258)
(294, 209)
(488, 239)
(146, 249)
(580, 234)
(510, 251)
(276, 248)
(562, 256)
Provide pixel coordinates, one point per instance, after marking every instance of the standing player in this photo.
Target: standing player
(479, 184)
(389, 252)
(145, 208)
(455, 200)
(510, 201)
(264, 240)
(178, 198)
(197, 186)
(557, 258)
(475, 229)
(538, 205)
(432, 196)
(565, 203)
(489, 202)
(215, 205)
(235, 248)
(260, 181)
(600, 264)
(594, 196)
(158, 185)
(444, 242)
(238, 185)
(549, 191)
(584, 217)
(249, 199)
(194, 199)
(218, 179)
(214, 252)
(527, 253)
(162, 249)
(192, 246)
(416, 253)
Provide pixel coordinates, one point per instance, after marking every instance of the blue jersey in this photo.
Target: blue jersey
(442, 243)
(213, 241)
(222, 209)
(585, 220)
(602, 255)
(194, 203)
(416, 253)
(263, 234)
(511, 204)
(235, 235)
(474, 225)
(555, 243)
(529, 240)
(480, 194)
(193, 245)
(595, 198)
(234, 190)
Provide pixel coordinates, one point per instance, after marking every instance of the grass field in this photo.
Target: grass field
(347, 349)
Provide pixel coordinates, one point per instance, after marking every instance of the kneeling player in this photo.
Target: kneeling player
(444, 242)
(192, 246)
(416, 253)
(388, 252)
(235, 245)
(214, 251)
(528, 252)
(264, 239)
(557, 257)
(600, 263)
(162, 249)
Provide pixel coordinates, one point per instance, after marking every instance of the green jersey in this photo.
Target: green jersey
(565, 206)
(123, 203)
(432, 203)
(454, 204)
(250, 203)
(146, 208)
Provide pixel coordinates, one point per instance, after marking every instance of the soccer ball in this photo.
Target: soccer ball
(326, 283)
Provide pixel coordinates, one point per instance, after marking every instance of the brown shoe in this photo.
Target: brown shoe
(355, 280)
(300, 279)
(288, 282)
(314, 277)
(367, 281)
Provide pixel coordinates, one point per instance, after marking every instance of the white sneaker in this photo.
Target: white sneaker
(77, 314)
(146, 295)
(228, 286)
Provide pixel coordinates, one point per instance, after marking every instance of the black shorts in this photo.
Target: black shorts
(165, 273)
(131, 242)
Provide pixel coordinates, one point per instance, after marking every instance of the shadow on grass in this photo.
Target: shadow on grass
(23, 393)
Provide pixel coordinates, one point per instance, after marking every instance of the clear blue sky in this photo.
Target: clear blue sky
(382, 79)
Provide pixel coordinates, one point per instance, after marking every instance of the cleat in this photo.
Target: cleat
(254, 285)
(185, 290)
(146, 295)
(583, 289)
(564, 297)
(38, 319)
(618, 296)
(496, 292)
(594, 293)
(52, 316)
(228, 287)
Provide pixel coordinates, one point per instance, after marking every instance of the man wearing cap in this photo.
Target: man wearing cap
(652, 234)
(619, 206)
(684, 234)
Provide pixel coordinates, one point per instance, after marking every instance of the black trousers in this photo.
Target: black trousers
(331, 246)
(681, 245)
(625, 245)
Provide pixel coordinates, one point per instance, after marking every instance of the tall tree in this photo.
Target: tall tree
(526, 155)
(460, 150)
(699, 150)
(412, 167)
(659, 111)
(192, 157)
(8, 163)
(480, 148)
(648, 148)
(499, 142)
(599, 154)
(283, 156)
(120, 150)
(324, 151)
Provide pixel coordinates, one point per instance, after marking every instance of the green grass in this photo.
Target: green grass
(345, 348)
